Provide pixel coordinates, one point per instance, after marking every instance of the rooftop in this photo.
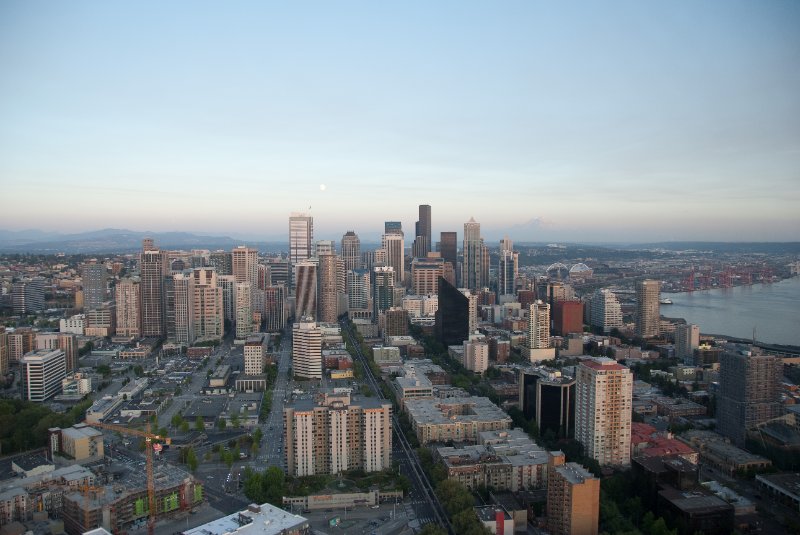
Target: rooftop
(263, 519)
(469, 409)
(603, 364)
(574, 473)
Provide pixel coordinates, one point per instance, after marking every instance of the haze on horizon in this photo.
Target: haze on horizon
(613, 121)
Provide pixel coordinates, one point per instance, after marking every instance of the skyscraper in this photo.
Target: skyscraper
(425, 273)
(392, 227)
(648, 314)
(359, 290)
(275, 308)
(93, 281)
(307, 349)
(687, 339)
(538, 339)
(244, 310)
(472, 276)
(306, 301)
(153, 268)
(351, 250)
(244, 265)
(301, 237)
(750, 391)
(448, 247)
(328, 302)
(42, 371)
(208, 308)
(129, 319)
(394, 245)
(422, 235)
(183, 301)
(603, 405)
(507, 270)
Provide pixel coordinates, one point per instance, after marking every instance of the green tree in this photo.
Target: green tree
(222, 424)
(184, 426)
(199, 424)
(191, 460)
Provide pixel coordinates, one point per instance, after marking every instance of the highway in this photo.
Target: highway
(271, 453)
(425, 503)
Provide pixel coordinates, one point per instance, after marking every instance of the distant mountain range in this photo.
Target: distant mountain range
(126, 241)
(119, 241)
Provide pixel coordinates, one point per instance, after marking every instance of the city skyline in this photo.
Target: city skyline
(621, 122)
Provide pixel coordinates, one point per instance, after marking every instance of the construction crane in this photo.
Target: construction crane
(148, 441)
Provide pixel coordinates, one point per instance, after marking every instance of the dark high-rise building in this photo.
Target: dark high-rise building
(750, 391)
(448, 247)
(222, 261)
(93, 280)
(275, 308)
(549, 398)
(422, 236)
(452, 316)
(153, 267)
(328, 301)
(475, 268)
(526, 298)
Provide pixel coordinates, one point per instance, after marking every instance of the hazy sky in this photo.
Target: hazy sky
(593, 121)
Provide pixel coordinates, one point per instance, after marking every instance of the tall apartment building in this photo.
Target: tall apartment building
(425, 273)
(359, 290)
(605, 310)
(648, 314)
(153, 268)
(301, 237)
(538, 336)
(27, 296)
(328, 286)
(750, 391)
(383, 289)
(476, 354)
(687, 339)
(573, 500)
(42, 372)
(244, 310)
(603, 405)
(306, 289)
(307, 349)
(394, 245)
(422, 235)
(472, 276)
(93, 281)
(129, 313)
(337, 434)
(227, 284)
(244, 264)
(21, 341)
(255, 352)
(183, 303)
(208, 307)
(351, 250)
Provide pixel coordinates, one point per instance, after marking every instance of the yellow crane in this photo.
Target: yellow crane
(149, 439)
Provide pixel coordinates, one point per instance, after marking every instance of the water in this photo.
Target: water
(773, 309)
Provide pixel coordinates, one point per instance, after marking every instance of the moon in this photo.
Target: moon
(322, 187)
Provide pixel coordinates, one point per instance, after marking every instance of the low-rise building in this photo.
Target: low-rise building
(79, 442)
(457, 419)
(718, 453)
(264, 519)
(496, 519)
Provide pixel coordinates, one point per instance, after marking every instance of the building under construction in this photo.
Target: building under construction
(121, 505)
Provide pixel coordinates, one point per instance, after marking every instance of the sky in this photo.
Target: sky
(548, 121)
